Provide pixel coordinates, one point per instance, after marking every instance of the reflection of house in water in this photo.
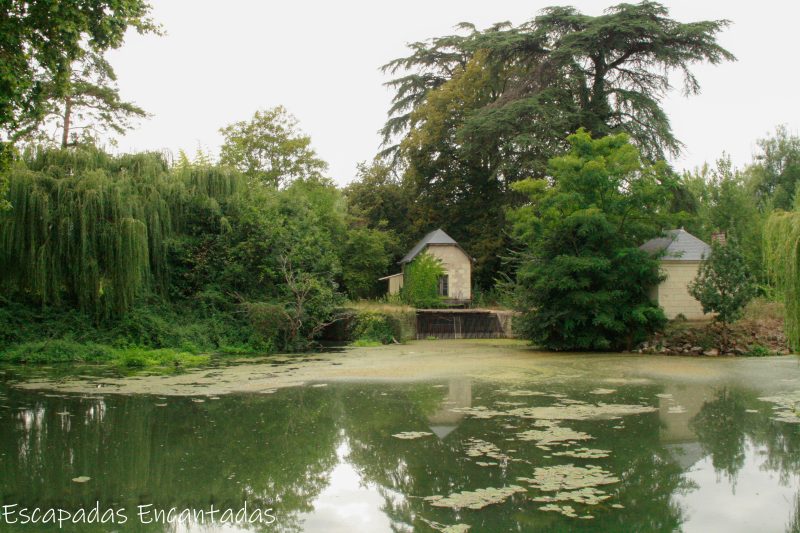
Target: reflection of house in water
(444, 421)
(676, 412)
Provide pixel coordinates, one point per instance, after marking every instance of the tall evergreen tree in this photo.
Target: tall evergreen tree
(477, 111)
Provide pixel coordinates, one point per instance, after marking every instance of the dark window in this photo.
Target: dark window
(443, 286)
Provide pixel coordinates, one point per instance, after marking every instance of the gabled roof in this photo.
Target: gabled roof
(435, 237)
(678, 245)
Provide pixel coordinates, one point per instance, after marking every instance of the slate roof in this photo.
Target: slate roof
(435, 237)
(678, 245)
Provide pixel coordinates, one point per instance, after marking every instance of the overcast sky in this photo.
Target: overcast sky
(222, 60)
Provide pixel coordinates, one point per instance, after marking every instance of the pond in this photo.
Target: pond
(500, 439)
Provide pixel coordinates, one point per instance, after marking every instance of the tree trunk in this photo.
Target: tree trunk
(67, 113)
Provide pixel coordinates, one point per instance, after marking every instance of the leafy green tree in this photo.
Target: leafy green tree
(270, 149)
(776, 171)
(477, 111)
(378, 197)
(582, 282)
(366, 257)
(724, 285)
(90, 106)
(725, 203)
(421, 282)
(40, 40)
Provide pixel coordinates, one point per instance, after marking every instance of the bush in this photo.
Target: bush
(374, 328)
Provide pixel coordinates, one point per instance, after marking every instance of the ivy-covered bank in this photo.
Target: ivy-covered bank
(101, 254)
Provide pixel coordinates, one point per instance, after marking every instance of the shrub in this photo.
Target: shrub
(374, 328)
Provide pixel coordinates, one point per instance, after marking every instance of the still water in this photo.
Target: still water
(457, 454)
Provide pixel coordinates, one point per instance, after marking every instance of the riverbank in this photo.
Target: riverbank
(497, 360)
(760, 332)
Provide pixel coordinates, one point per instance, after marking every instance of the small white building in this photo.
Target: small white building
(456, 283)
(680, 255)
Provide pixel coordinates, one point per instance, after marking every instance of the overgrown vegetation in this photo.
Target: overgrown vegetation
(421, 282)
(127, 252)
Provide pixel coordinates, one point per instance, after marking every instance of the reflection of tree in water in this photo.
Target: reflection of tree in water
(430, 466)
(720, 428)
(725, 429)
(272, 452)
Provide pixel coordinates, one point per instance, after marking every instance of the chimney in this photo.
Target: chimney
(719, 236)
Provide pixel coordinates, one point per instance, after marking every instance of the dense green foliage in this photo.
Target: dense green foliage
(269, 149)
(368, 252)
(582, 283)
(147, 255)
(776, 170)
(722, 201)
(475, 112)
(371, 328)
(421, 282)
(782, 253)
(723, 284)
(40, 40)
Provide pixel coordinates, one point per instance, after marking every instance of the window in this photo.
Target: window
(443, 285)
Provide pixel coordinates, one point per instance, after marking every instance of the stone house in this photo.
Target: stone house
(680, 255)
(456, 283)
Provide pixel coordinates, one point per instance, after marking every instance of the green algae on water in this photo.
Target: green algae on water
(477, 499)
(568, 477)
(411, 435)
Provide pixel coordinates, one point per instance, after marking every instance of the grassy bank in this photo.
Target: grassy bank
(157, 334)
(153, 334)
(68, 351)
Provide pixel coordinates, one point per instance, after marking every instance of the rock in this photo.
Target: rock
(713, 352)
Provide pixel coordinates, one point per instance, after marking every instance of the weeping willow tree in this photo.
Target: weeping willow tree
(86, 229)
(782, 254)
(91, 230)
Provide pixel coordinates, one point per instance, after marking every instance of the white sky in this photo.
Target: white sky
(222, 60)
